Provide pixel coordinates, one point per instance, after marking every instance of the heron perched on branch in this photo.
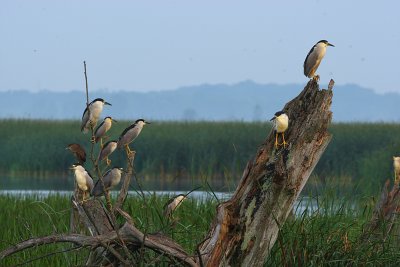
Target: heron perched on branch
(103, 128)
(83, 179)
(91, 116)
(110, 179)
(130, 134)
(314, 58)
(281, 123)
(396, 167)
(106, 151)
(173, 204)
(78, 151)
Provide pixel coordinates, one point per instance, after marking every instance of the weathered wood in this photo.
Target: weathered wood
(246, 226)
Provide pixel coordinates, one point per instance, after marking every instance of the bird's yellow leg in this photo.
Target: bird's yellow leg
(93, 139)
(316, 77)
(284, 142)
(108, 161)
(276, 140)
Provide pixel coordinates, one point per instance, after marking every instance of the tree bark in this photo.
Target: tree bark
(246, 226)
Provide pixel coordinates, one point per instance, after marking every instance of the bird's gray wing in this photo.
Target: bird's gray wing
(89, 182)
(128, 135)
(307, 66)
(99, 132)
(85, 120)
(98, 188)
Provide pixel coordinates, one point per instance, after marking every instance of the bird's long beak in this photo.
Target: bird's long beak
(147, 122)
(331, 44)
(71, 168)
(273, 118)
(106, 103)
(114, 120)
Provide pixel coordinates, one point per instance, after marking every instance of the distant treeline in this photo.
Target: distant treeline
(359, 154)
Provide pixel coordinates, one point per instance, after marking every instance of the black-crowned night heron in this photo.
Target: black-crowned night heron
(104, 126)
(110, 179)
(281, 123)
(83, 179)
(396, 167)
(314, 58)
(95, 108)
(78, 151)
(130, 134)
(173, 204)
(106, 151)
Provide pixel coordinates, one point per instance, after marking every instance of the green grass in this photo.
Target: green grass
(359, 153)
(327, 236)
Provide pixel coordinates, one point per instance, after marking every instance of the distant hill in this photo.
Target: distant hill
(246, 101)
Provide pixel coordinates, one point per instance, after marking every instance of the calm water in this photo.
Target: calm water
(66, 183)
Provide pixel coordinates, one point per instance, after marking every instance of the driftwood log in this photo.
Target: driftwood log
(245, 227)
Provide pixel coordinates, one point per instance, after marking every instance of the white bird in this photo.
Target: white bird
(130, 134)
(95, 109)
(173, 204)
(83, 179)
(110, 179)
(106, 151)
(104, 126)
(314, 58)
(396, 166)
(281, 123)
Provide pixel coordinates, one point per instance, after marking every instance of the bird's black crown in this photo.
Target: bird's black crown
(140, 120)
(97, 99)
(277, 114)
(323, 41)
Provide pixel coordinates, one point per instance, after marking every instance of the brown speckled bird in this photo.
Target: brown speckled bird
(78, 151)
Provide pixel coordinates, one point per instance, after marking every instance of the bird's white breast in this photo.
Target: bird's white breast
(80, 177)
(396, 163)
(319, 51)
(117, 175)
(281, 123)
(95, 110)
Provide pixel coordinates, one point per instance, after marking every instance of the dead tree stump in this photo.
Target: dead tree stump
(246, 226)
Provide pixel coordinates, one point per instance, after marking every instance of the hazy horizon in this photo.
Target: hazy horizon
(158, 45)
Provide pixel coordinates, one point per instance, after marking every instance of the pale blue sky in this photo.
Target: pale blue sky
(155, 45)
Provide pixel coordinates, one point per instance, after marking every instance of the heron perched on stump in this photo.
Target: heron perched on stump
(314, 58)
(83, 179)
(78, 151)
(173, 204)
(106, 151)
(103, 128)
(281, 123)
(110, 179)
(130, 134)
(91, 116)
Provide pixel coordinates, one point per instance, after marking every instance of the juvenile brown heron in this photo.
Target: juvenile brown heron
(95, 108)
(83, 179)
(104, 126)
(396, 167)
(106, 151)
(130, 134)
(78, 151)
(173, 204)
(281, 123)
(110, 179)
(314, 58)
